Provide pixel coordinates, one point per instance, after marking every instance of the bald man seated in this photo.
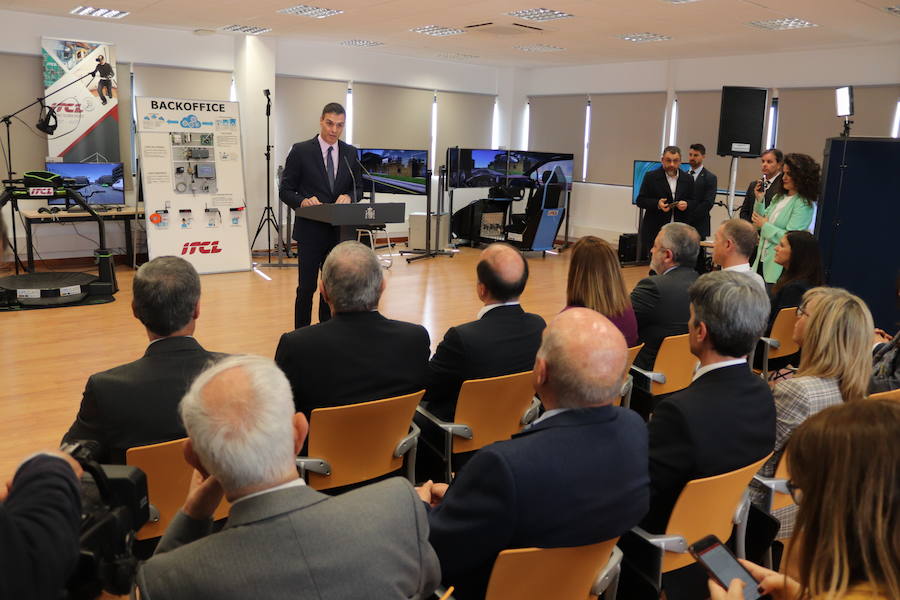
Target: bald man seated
(503, 339)
(578, 475)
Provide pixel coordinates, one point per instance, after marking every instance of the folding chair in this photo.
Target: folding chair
(889, 395)
(629, 379)
(359, 442)
(780, 342)
(487, 411)
(673, 368)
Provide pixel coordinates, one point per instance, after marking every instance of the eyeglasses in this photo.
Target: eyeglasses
(801, 312)
(795, 492)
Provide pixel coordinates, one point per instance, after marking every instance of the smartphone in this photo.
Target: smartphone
(723, 567)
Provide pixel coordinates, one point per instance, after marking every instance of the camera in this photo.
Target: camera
(99, 58)
(114, 506)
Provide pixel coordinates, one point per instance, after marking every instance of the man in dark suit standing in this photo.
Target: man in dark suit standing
(359, 355)
(771, 163)
(503, 340)
(137, 403)
(704, 195)
(724, 420)
(666, 194)
(660, 301)
(323, 170)
(576, 476)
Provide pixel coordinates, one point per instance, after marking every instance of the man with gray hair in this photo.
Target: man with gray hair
(358, 355)
(282, 539)
(576, 476)
(137, 403)
(661, 301)
(735, 241)
(726, 418)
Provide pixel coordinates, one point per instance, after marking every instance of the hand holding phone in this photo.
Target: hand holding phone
(723, 567)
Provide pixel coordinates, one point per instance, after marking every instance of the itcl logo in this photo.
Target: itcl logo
(202, 247)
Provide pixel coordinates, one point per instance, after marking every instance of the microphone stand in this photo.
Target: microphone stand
(267, 219)
(7, 121)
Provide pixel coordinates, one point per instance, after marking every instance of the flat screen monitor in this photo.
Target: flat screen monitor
(394, 171)
(527, 169)
(476, 168)
(641, 168)
(99, 183)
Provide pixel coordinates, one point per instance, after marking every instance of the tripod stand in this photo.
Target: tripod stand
(430, 252)
(268, 219)
(7, 121)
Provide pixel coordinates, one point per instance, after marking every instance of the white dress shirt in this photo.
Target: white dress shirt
(489, 307)
(718, 365)
(746, 268)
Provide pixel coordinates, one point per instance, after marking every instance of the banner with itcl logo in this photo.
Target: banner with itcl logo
(193, 182)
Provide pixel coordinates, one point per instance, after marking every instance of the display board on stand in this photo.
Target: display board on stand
(193, 182)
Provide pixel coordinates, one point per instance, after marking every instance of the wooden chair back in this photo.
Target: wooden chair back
(632, 354)
(707, 506)
(888, 395)
(358, 440)
(168, 480)
(780, 500)
(492, 408)
(541, 573)
(676, 362)
(783, 331)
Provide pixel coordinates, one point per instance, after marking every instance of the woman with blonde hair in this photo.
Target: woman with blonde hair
(834, 330)
(595, 282)
(845, 475)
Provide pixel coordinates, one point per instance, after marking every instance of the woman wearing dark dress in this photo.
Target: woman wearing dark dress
(595, 282)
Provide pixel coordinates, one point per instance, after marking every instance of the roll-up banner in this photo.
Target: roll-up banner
(193, 182)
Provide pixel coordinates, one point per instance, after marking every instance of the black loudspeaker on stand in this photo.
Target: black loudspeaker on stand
(741, 122)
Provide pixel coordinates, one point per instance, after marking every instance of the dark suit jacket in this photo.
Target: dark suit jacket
(654, 187)
(352, 358)
(304, 176)
(704, 198)
(576, 478)
(137, 404)
(662, 307)
(504, 341)
(40, 523)
(747, 207)
(723, 421)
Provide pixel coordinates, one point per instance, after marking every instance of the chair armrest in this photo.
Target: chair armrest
(776, 484)
(743, 509)
(651, 375)
(409, 441)
(608, 573)
(531, 412)
(627, 385)
(458, 429)
(314, 465)
(771, 342)
(668, 543)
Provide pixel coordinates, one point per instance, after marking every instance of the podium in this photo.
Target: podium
(349, 217)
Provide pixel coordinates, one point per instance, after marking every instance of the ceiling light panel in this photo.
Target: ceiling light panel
(645, 36)
(248, 29)
(105, 13)
(539, 48)
(539, 14)
(783, 24)
(361, 43)
(314, 12)
(457, 56)
(437, 30)
(894, 10)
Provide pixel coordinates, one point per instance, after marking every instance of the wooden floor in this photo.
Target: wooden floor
(47, 355)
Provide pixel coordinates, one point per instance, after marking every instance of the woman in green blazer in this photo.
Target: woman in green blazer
(790, 211)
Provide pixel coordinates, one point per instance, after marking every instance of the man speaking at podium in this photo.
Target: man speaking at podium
(323, 170)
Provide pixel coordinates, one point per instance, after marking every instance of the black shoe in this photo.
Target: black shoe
(103, 101)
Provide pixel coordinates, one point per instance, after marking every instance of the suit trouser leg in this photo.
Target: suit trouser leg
(311, 257)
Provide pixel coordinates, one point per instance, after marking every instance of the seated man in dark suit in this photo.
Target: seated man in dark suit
(576, 476)
(358, 355)
(283, 539)
(661, 301)
(725, 419)
(137, 403)
(503, 340)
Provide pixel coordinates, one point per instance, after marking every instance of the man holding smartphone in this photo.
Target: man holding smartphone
(666, 195)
